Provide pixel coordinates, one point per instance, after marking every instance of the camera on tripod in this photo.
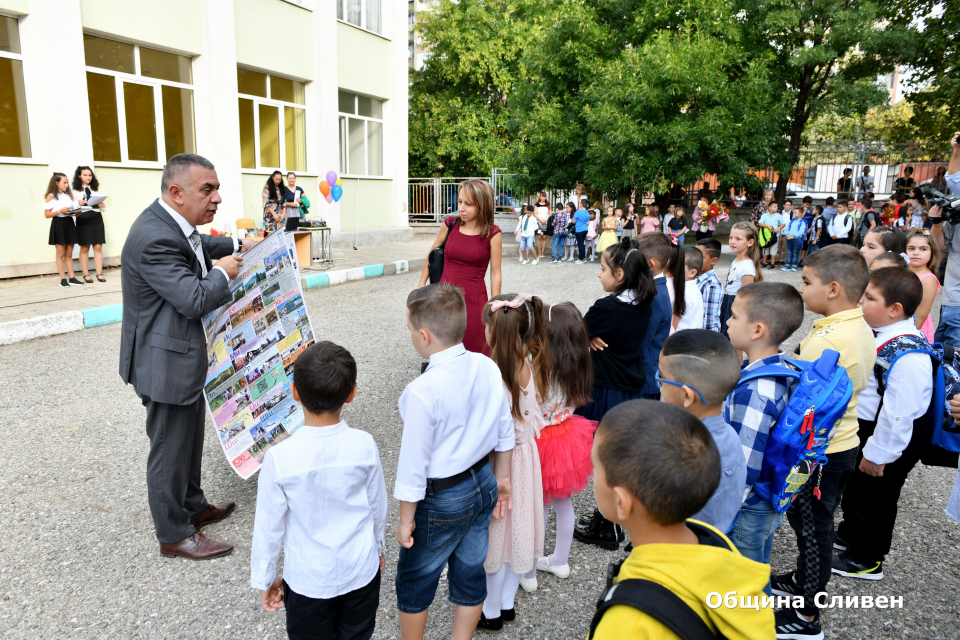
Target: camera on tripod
(949, 203)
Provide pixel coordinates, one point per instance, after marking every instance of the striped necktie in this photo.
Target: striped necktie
(195, 243)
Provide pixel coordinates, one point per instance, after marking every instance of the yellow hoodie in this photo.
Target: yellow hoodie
(693, 572)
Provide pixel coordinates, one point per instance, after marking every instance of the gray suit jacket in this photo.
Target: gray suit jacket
(162, 346)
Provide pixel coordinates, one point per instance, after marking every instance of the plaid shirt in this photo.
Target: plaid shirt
(560, 220)
(752, 410)
(712, 291)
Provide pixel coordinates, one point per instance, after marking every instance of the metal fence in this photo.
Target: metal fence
(821, 171)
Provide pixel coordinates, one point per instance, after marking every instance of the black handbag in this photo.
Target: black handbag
(435, 259)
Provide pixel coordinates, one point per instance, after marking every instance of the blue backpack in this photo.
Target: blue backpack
(797, 444)
(946, 384)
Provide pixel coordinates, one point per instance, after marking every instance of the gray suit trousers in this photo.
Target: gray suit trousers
(173, 467)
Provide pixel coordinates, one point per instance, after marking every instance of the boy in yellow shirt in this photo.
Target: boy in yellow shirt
(834, 280)
(655, 465)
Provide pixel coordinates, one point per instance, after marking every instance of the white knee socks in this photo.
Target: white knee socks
(501, 589)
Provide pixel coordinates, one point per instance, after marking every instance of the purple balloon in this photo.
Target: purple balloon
(332, 177)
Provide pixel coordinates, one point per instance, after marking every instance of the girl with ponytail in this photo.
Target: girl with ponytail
(616, 326)
(745, 268)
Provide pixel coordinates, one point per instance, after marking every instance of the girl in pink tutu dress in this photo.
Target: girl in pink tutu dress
(566, 440)
(516, 334)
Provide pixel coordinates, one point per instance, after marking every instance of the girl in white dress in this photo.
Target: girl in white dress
(63, 231)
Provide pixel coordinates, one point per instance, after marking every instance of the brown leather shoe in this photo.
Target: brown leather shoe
(213, 514)
(196, 547)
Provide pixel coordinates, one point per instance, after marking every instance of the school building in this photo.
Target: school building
(307, 86)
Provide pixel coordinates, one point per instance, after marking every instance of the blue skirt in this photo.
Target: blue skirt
(725, 311)
(605, 399)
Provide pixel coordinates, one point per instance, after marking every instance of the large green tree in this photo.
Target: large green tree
(460, 100)
(827, 57)
(624, 94)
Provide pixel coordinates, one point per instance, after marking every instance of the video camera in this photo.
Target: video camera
(949, 203)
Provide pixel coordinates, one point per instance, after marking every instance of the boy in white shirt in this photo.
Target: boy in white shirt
(454, 416)
(894, 424)
(526, 235)
(321, 493)
(692, 318)
(841, 225)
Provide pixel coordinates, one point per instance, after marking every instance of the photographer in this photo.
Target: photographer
(948, 331)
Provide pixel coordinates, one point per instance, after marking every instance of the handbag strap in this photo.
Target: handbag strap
(449, 226)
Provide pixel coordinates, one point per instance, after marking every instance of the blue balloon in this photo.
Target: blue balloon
(336, 191)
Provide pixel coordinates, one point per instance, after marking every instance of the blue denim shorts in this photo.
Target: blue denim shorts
(451, 530)
(527, 243)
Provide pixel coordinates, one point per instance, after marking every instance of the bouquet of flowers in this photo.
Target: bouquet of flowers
(707, 212)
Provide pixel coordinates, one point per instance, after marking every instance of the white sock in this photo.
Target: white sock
(510, 585)
(491, 606)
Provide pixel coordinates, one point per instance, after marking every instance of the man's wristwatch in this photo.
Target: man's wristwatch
(239, 247)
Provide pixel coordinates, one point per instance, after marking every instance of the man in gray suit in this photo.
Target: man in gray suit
(169, 284)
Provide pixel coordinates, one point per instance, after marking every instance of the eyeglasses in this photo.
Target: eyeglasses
(661, 380)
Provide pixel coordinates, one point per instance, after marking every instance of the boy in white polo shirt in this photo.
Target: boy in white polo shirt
(454, 416)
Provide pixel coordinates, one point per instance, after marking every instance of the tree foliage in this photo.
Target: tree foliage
(460, 100)
(632, 94)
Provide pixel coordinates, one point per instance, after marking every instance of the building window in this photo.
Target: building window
(14, 132)
(360, 13)
(273, 133)
(141, 102)
(361, 135)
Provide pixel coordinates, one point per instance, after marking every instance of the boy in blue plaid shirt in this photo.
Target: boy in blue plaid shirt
(764, 314)
(710, 286)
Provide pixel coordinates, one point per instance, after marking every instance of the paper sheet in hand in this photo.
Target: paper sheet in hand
(252, 343)
(93, 201)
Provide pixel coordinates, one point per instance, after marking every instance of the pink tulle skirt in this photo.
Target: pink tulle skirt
(565, 457)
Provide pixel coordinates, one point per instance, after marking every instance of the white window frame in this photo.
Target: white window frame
(344, 134)
(119, 78)
(341, 10)
(19, 56)
(281, 116)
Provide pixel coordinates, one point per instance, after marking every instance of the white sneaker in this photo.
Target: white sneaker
(562, 571)
(592, 258)
(578, 261)
(524, 262)
(521, 259)
(528, 584)
(535, 261)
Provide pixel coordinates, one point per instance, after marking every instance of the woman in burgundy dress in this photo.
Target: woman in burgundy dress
(473, 244)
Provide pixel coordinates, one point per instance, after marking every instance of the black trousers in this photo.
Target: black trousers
(351, 616)
(173, 467)
(812, 521)
(870, 504)
(703, 234)
(581, 238)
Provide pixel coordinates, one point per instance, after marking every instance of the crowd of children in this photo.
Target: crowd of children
(489, 443)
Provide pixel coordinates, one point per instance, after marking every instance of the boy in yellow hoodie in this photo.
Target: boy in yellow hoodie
(655, 465)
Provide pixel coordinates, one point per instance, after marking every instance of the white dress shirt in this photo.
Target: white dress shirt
(841, 225)
(188, 230)
(693, 317)
(953, 182)
(906, 398)
(454, 415)
(322, 493)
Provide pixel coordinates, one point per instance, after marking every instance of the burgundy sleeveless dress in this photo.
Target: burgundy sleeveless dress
(465, 262)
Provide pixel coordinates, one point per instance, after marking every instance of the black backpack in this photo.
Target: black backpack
(656, 601)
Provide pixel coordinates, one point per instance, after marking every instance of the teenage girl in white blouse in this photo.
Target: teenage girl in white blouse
(63, 231)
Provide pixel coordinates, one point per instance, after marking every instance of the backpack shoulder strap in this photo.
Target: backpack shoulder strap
(769, 371)
(892, 350)
(659, 603)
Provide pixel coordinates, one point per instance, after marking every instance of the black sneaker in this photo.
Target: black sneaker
(64, 283)
(800, 264)
(785, 585)
(508, 615)
(839, 543)
(599, 531)
(621, 536)
(494, 625)
(843, 565)
(790, 626)
(75, 282)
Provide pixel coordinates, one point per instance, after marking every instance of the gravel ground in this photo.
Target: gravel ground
(78, 558)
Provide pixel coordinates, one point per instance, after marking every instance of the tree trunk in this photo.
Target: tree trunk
(800, 116)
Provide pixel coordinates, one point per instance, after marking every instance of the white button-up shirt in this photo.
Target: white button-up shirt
(907, 397)
(454, 415)
(188, 230)
(322, 493)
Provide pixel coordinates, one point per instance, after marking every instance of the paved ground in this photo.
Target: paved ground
(78, 558)
(22, 298)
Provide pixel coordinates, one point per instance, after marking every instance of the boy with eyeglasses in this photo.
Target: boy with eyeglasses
(697, 370)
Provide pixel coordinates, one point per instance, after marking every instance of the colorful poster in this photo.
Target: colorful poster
(252, 343)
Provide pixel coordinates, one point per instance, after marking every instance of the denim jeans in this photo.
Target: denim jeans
(753, 532)
(451, 529)
(558, 240)
(581, 251)
(948, 330)
(527, 243)
(793, 251)
(811, 248)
